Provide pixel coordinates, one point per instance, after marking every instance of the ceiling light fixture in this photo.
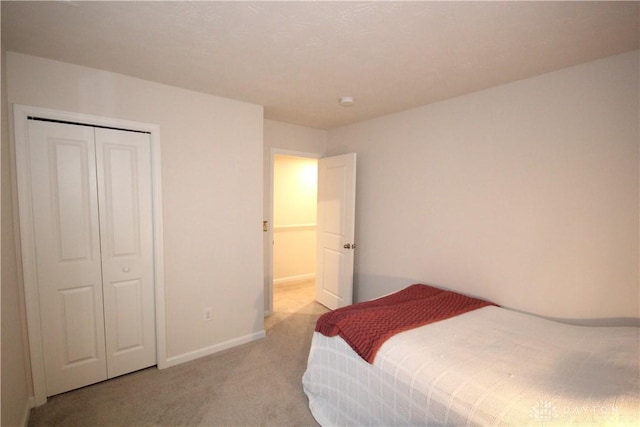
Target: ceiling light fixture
(347, 101)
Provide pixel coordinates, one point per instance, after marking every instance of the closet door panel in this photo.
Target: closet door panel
(124, 188)
(67, 240)
(128, 311)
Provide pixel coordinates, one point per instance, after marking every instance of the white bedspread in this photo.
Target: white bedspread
(488, 367)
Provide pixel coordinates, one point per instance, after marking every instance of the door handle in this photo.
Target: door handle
(349, 246)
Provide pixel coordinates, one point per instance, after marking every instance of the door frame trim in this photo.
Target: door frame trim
(268, 309)
(21, 114)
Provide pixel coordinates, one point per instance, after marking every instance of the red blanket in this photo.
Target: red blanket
(367, 325)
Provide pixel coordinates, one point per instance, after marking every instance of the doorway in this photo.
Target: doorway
(294, 206)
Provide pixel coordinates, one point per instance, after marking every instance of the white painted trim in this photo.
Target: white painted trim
(269, 280)
(290, 280)
(212, 349)
(21, 113)
(294, 227)
(20, 116)
(158, 250)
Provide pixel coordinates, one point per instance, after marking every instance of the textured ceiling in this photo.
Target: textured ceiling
(298, 58)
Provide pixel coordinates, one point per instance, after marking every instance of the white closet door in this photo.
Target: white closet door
(67, 240)
(124, 188)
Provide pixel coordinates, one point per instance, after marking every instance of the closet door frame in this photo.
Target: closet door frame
(21, 114)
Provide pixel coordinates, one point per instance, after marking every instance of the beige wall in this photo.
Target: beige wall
(295, 190)
(294, 218)
(15, 382)
(525, 194)
(212, 192)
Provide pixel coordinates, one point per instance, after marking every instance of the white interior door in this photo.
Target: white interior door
(67, 241)
(124, 189)
(92, 214)
(336, 230)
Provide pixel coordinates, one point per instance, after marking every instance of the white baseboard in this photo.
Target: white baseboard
(206, 351)
(290, 280)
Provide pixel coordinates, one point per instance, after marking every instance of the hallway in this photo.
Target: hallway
(290, 299)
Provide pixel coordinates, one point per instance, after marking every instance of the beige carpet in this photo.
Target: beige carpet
(257, 384)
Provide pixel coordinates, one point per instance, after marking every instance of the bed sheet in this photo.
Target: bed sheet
(488, 367)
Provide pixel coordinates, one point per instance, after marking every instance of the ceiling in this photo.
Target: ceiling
(298, 58)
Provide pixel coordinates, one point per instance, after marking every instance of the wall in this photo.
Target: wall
(525, 194)
(294, 219)
(282, 137)
(212, 192)
(15, 381)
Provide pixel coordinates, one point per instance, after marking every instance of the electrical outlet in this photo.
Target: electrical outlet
(207, 313)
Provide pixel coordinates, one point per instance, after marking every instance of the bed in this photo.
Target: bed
(487, 366)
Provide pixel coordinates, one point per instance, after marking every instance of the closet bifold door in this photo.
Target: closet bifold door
(93, 233)
(123, 162)
(68, 262)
